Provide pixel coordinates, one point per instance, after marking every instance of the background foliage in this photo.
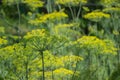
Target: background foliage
(59, 40)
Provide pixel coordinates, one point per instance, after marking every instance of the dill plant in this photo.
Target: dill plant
(67, 41)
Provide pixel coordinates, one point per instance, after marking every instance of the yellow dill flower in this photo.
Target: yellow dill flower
(71, 58)
(96, 16)
(34, 3)
(63, 71)
(65, 25)
(38, 39)
(3, 41)
(110, 47)
(49, 17)
(49, 59)
(9, 50)
(109, 2)
(59, 26)
(92, 42)
(71, 2)
(37, 32)
(112, 9)
(48, 75)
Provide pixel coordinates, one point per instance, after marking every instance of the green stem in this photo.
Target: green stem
(72, 13)
(52, 75)
(43, 73)
(19, 19)
(26, 70)
(73, 76)
(89, 64)
(79, 11)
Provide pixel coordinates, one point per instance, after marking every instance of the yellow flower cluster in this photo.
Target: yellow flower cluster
(109, 48)
(92, 42)
(9, 50)
(3, 41)
(57, 27)
(61, 61)
(34, 74)
(48, 75)
(96, 16)
(113, 9)
(65, 25)
(34, 3)
(109, 2)
(50, 61)
(37, 32)
(71, 2)
(51, 17)
(63, 71)
(58, 74)
(71, 58)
